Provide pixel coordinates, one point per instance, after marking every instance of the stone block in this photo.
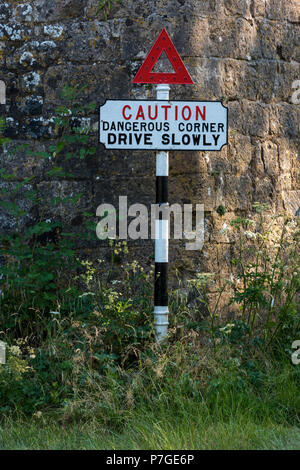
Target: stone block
(265, 191)
(30, 105)
(65, 200)
(95, 81)
(284, 120)
(23, 13)
(232, 37)
(13, 31)
(236, 192)
(5, 11)
(275, 84)
(240, 153)
(278, 40)
(258, 8)
(31, 82)
(23, 212)
(208, 80)
(20, 158)
(34, 54)
(111, 163)
(280, 10)
(2, 53)
(194, 189)
(255, 118)
(38, 128)
(291, 201)
(267, 158)
(238, 7)
(51, 10)
(94, 41)
(138, 190)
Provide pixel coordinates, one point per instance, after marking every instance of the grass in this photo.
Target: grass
(182, 397)
(162, 413)
(89, 376)
(148, 432)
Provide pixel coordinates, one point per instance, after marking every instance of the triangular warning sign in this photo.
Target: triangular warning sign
(145, 74)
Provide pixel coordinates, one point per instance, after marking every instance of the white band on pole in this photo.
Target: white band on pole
(161, 241)
(162, 164)
(161, 315)
(162, 91)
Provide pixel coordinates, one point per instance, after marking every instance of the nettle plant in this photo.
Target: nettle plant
(267, 283)
(38, 253)
(264, 286)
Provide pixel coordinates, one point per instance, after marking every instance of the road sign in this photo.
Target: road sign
(163, 44)
(163, 125)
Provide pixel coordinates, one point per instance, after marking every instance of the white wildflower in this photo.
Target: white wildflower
(250, 235)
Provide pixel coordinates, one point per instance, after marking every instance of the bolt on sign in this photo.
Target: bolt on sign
(161, 125)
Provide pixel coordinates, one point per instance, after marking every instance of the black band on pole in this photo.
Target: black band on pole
(161, 189)
(161, 285)
(161, 268)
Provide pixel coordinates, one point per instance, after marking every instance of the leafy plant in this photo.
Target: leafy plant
(39, 251)
(263, 288)
(267, 273)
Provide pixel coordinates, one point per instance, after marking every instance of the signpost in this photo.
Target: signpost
(163, 125)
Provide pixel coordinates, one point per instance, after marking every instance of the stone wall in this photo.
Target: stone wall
(244, 52)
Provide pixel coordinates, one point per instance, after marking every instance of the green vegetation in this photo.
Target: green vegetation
(106, 6)
(149, 432)
(83, 370)
(221, 210)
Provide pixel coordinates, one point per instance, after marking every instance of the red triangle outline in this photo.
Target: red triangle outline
(145, 74)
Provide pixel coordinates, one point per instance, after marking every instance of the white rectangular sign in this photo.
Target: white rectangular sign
(163, 125)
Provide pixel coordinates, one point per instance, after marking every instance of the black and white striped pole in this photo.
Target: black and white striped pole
(180, 76)
(161, 311)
